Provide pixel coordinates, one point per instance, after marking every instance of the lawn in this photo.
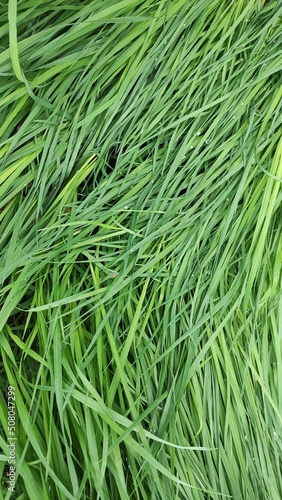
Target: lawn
(141, 249)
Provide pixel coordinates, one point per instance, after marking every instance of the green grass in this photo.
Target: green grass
(140, 248)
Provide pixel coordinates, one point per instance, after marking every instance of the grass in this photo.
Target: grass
(141, 236)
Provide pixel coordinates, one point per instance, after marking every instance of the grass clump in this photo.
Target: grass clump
(140, 212)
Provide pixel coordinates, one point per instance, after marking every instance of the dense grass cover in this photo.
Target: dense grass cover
(140, 213)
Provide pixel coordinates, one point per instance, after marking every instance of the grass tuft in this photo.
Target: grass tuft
(140, 248)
